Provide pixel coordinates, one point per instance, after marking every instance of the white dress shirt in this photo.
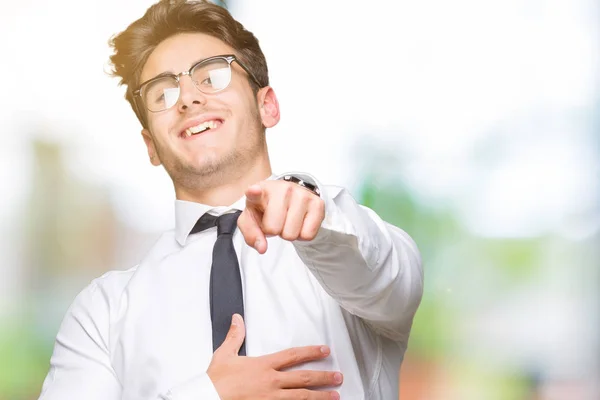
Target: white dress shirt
(145, 333)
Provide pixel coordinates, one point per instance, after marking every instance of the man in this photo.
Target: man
(327, 290)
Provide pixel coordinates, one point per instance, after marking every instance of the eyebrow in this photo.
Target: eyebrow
(171, 73)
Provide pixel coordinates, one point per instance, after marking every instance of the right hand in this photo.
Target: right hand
(251, 378)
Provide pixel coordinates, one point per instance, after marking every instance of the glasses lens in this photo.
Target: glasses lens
(161, 94)
(212, 76)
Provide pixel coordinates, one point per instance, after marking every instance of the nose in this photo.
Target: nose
(189, 95)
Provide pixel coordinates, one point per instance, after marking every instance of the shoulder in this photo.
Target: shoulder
(94, 302)
(106, 290)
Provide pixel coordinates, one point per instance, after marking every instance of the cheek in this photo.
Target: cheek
(242, 102)
(159, 125)
(248, 110)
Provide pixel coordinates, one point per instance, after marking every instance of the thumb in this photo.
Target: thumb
(235, 337)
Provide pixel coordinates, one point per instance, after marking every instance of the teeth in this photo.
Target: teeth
(200, 128)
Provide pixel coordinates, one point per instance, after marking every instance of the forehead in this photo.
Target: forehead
(179, 52)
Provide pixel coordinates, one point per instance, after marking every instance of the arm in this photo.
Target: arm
(80, 367)
(373, 269)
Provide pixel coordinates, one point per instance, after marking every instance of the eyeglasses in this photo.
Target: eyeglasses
(210, 75)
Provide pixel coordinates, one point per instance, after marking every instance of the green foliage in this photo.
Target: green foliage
(451, 257)
(23, 360)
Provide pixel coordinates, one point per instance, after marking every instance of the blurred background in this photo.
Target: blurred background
(473, 124)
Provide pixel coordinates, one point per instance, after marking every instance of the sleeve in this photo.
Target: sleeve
(370, 267)
(80, 366)
(200, 387)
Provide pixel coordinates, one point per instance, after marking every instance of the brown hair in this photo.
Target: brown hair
(133, 46)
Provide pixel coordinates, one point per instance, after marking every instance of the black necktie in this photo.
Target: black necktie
(225, 290)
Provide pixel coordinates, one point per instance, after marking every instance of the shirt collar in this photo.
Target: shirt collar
(187, 213)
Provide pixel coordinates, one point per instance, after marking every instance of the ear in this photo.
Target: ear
(154, 160)
(268, 106)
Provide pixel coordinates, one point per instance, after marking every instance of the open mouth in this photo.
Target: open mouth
(201, 128)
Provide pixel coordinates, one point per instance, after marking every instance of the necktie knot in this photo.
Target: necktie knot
(227, 223)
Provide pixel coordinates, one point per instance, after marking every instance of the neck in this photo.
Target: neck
(230, 188)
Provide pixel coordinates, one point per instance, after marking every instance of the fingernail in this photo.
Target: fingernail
(335, 395)
(256, 244)
(325, 350)
(234, 320)
(337, 377)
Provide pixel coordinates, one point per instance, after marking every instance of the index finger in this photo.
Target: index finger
(296, 355)
(250, 229)
(255, 195)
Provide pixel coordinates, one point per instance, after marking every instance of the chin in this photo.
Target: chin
(208, 162)
(204, 167)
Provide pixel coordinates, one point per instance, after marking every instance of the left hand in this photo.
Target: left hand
(280, 208)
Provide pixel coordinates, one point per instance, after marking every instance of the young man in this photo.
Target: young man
(327, 290)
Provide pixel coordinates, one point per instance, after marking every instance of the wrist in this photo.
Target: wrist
(310, 186)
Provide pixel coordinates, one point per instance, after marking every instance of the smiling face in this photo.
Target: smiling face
(205, 140)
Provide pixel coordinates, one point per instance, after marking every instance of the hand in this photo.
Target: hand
(252, 378)
(279, 208)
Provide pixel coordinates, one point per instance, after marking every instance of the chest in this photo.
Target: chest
(162, 335)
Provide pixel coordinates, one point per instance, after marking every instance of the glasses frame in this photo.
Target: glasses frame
(229, 58)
